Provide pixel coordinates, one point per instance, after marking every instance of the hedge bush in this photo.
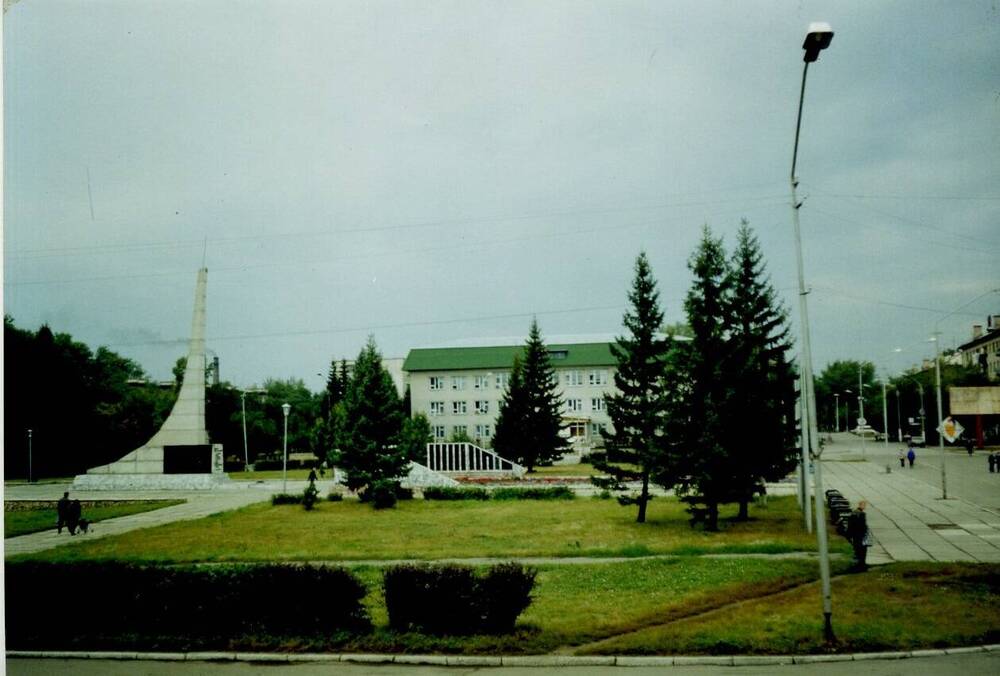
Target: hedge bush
(52, 605)
(286, 499)
(452, 599)
(455, 493)
(547, 493)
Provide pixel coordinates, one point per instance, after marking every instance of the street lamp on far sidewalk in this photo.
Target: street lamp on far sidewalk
(285, 408)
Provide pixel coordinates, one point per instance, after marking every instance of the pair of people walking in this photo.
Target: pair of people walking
(69, 513)
(910, 455)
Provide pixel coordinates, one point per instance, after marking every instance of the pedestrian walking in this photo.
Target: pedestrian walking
(62, 507)
(312, 475)
(859, 536)
(911, 455)
(73, 516)
(902, 457)
(968, 446)
(993, 462)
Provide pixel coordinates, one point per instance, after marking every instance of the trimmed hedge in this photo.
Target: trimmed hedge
(53, 605)
(455, 493)
(452, 599)
(286, 499)
(547, 493)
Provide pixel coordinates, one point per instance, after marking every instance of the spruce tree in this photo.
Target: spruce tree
(543, 418)
(527, 430)
(708, 394)
(370, 454)
(637, 448)
(509, 435)
(760, 374)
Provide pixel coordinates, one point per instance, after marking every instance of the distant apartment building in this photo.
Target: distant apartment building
(459, 389)
(983, 351)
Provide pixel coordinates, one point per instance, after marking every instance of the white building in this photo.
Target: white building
(459, 389)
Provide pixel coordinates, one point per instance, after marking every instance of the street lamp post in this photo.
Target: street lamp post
(285, 408)
(836, 409)
(817, 39)
(862, 423)
(29, 456)
(899, 425)
(246, 451)
(885, 418)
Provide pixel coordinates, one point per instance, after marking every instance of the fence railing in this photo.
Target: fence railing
(465, 458)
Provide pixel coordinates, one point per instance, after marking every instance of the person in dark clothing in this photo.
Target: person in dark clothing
(911, 455)
(62, 508)
(857, 533)
(312, 475)
(968, 445)
(73, 516)
(993, 462)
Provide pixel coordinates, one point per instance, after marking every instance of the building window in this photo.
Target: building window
(503, 379)
(597, 403)
(481, 383)
(437, 382)
(482, 407)
(482, 431)
(574, 404)
(438, 431)
(556, 355)
(437, 408)
(596, 428)
(573, 378)
(599, 377)
(459, 431)
(577, 430)
(458, 382)
(459, 407)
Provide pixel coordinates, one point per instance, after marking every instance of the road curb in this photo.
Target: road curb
(502, 660)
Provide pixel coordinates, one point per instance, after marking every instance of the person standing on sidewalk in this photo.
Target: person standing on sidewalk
(911, 455)
(62, 508)
(902, 457)
(857, 533)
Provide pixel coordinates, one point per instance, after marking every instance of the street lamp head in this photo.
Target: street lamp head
(285, 408)
(817, 39)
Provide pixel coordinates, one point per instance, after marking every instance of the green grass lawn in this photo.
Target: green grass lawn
(897, 607)
(21, 522)
(419, 529)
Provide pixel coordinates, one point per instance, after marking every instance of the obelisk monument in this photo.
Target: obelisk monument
(179, 455)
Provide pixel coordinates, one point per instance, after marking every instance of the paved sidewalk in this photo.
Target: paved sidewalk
(906, 514)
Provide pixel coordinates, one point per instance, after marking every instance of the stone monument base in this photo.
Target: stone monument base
(150, 482)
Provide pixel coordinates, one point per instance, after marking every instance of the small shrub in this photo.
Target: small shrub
(454, 600)
(403, 493)
(382, 494)
(334, 496)
(455, 493)
(548, 493)
(309, 496)
(286, 499)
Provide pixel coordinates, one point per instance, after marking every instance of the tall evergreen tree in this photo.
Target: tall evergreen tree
(543, 422)
(760, 373)
(637, 448)
(369, 450)
(708, 394)
(530, 419)
(509, 436)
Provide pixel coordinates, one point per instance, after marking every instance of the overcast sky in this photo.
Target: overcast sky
(435, 172)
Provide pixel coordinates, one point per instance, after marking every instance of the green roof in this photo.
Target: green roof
(502, 357)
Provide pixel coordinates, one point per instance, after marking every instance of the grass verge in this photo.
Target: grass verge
(425, 530)
(24, 521)
(901, 606)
